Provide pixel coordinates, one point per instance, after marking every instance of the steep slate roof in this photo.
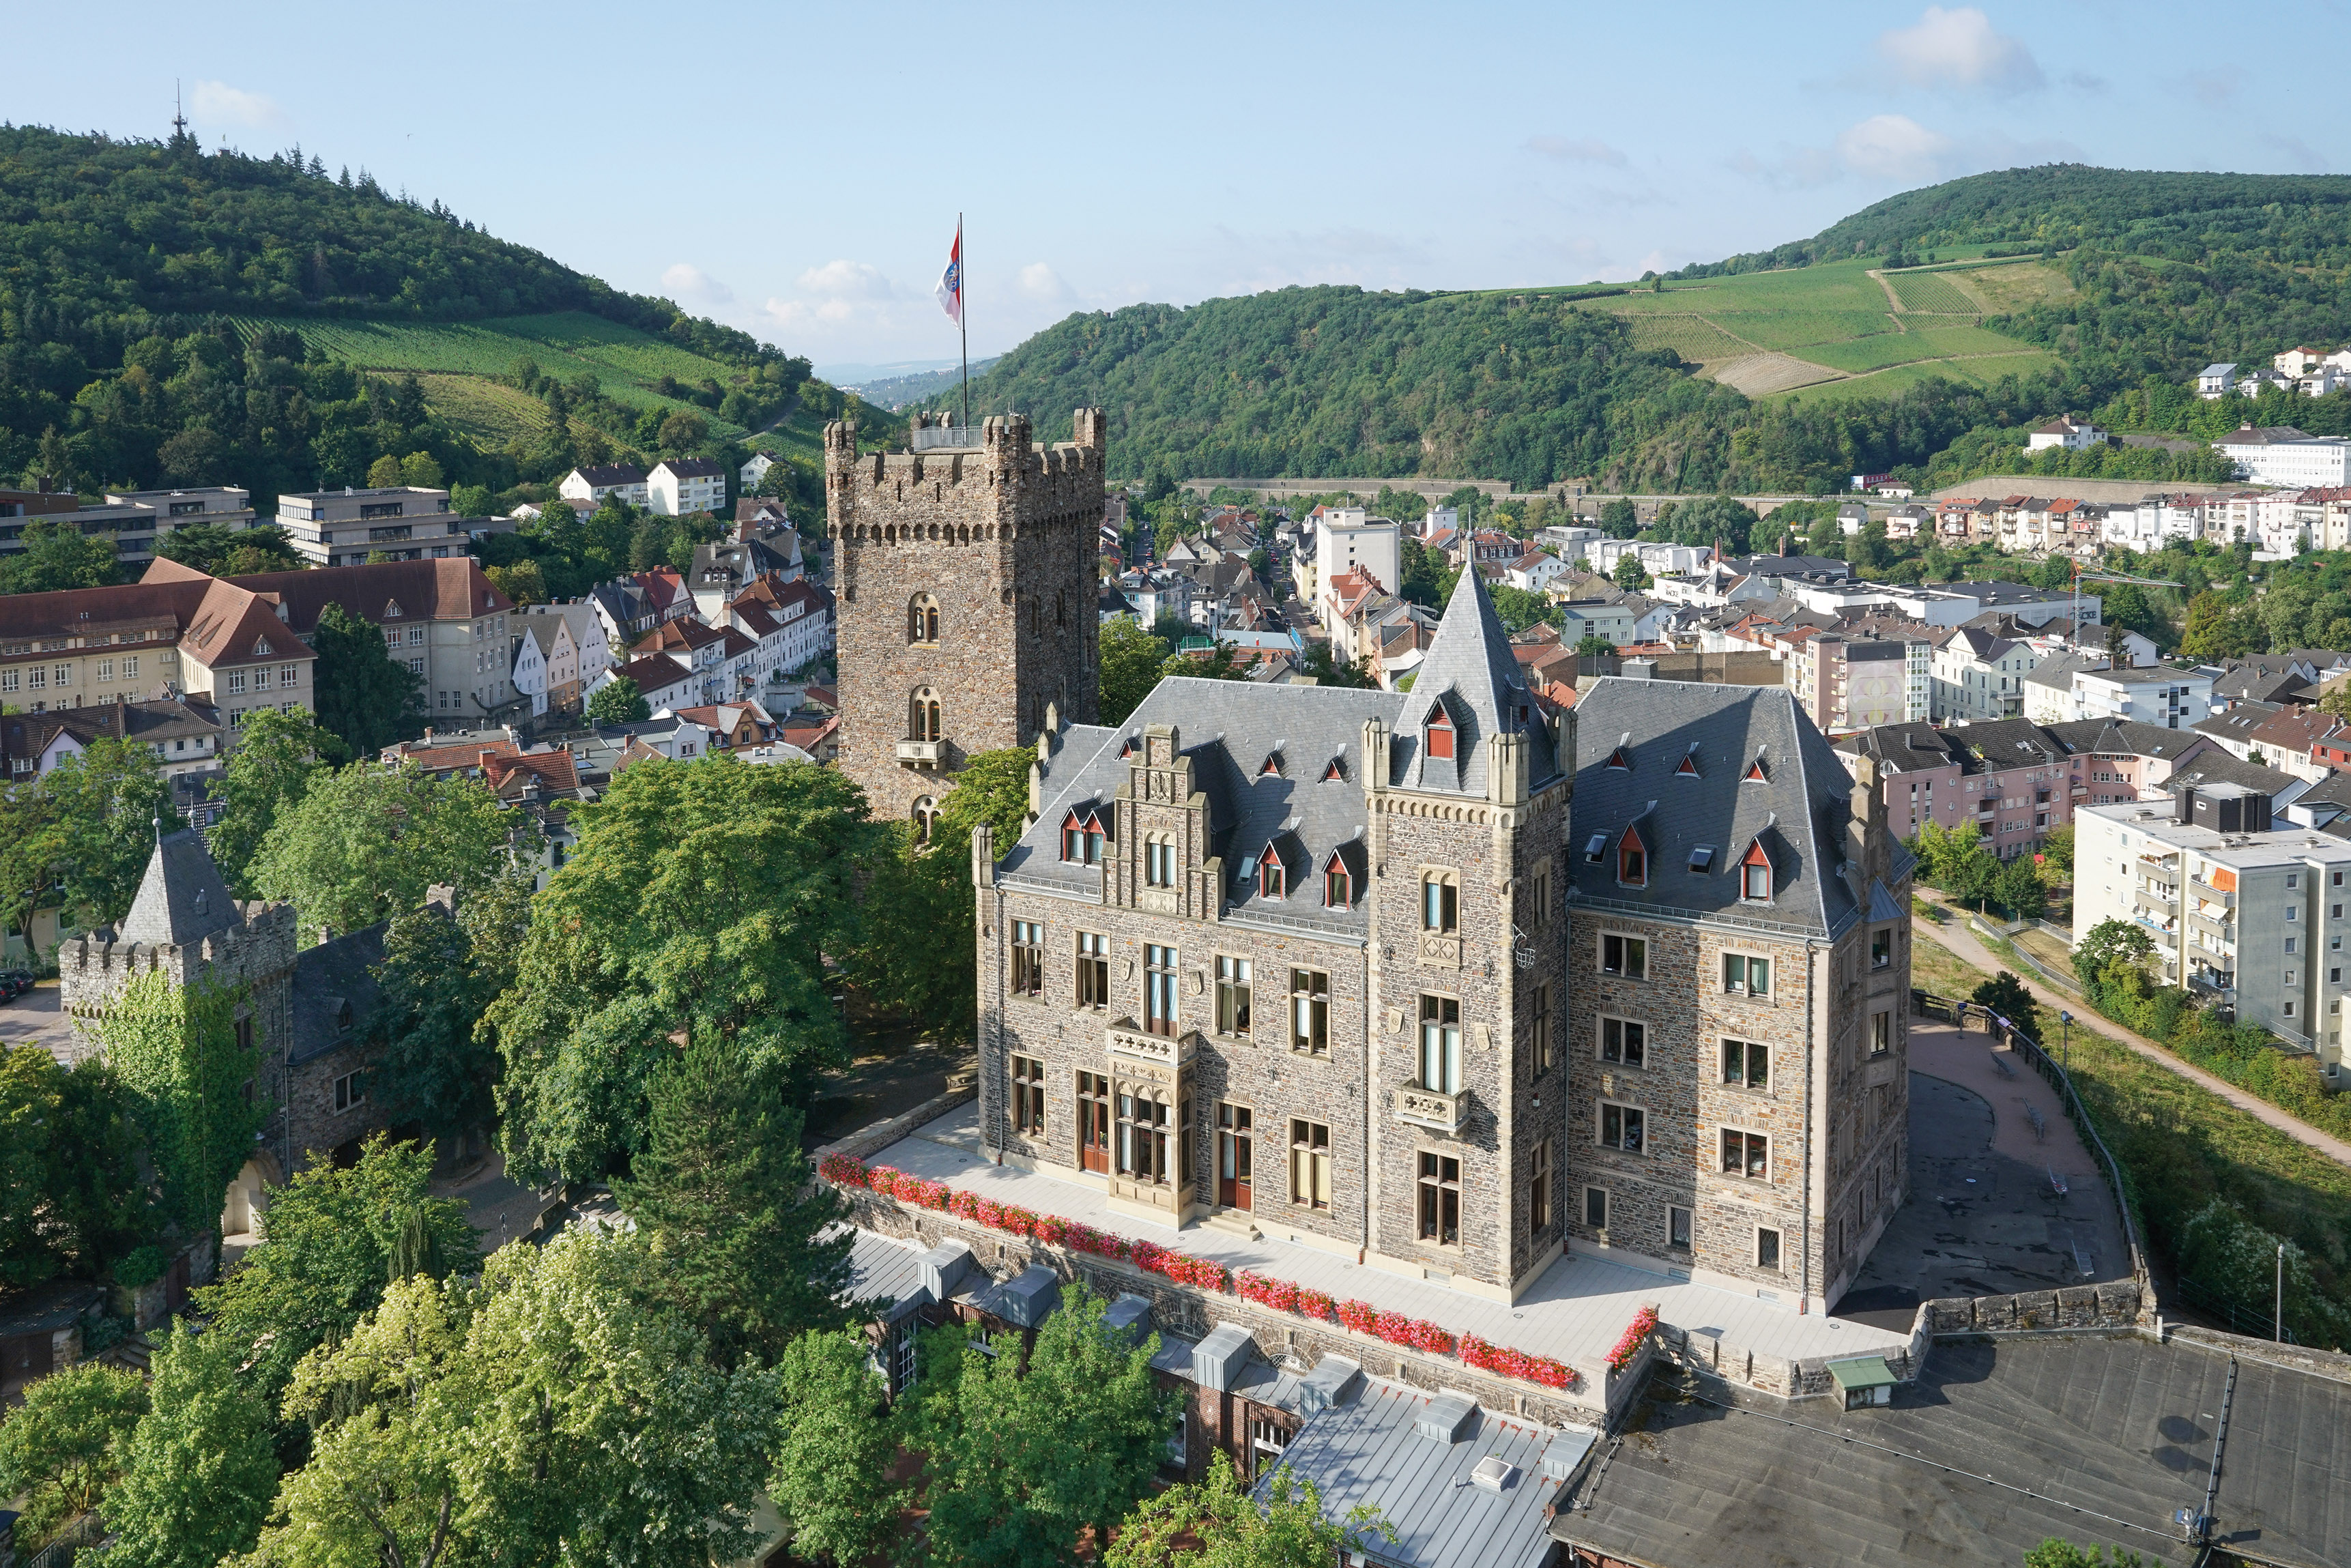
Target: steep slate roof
(453, 589)
(2218, 766)
(1471, 670)
(182, 899)
(1799, 809)
(329, 977)
(2117, 736)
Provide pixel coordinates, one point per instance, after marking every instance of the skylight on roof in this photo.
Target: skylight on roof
(1702, 858)
(1596, 847)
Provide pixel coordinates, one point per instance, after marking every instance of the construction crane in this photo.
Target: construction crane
(2080, 577)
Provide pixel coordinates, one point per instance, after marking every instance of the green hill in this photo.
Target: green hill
(170, 317)
(1922, 336)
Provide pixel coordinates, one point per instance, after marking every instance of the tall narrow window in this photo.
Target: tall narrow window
(1336, 891)
(1233, 976)
(1755, 875)
(1142, 1134)
(1439, 734)
(1310, 1165)
(926, 819)
(1310, 1011)
(1029, 1097)
(922, 716)
(1027, 958)
(1541, 1031)
(1093, 1121)
(1272, 878)
(1632, 861)
(1440, 903)
(1539, 1189)
(1159, 862)
(1159, 989)
(1440, 1044)
(1440, 1199)
(1094, 969)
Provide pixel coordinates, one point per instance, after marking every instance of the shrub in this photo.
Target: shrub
(140, 1266)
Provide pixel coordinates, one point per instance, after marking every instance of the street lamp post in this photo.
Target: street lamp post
(2065, 1039)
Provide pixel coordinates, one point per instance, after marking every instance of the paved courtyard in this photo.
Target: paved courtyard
(38, 1018)
(1984, 1216)
(1575, 1311)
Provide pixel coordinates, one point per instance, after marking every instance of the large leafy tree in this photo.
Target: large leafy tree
(366, 841)
(1130, 657)
(1018, 1462)
(64, 1446)
(57, 554)
(277, 755)
(701, 898)
(748, 1248)
(439, 976)
(363, 695)
(72, 1196)
(618, 701)
(331, 1235)
(833, 1450)
(107, 803)
(176, 1052)
(224, 553)
(1214, 1522)
(200, 1468)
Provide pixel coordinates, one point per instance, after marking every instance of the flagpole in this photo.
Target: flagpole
(963, 316)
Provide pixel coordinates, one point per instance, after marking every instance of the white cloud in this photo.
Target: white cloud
(1584, 150)
(1960, 48)
(217, 101)
(687, 281)
(1893, 147)
(1043, 284)
(846, 279)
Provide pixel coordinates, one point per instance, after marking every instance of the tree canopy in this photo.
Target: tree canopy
(367, 841)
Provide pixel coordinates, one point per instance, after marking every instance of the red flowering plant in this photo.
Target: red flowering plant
(1051, 1229)
(842, 1170)
(1357, 1315)
(1430, 1337)
(964, 1204)
(883, 1179)
(1548, 1372)
(1392, 1326)
(1019, 1221)
(1315, 1304)
(1636, 1334)
(924, 1194)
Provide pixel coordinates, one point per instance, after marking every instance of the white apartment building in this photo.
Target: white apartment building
(2241, 906)
(2162, 696)
(2281, 455)
(1976, 675)
(2066, 433)
(131, 520)
(530, 671)
(2216, 380)
(680, 487)
(590, 486)
(349, 528)
(1346, 540)
(754, 471)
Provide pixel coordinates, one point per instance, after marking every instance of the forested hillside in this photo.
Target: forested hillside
(2159, 274)
(173, 317)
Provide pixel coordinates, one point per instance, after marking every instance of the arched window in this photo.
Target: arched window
(926, 818)
(1440, 902)
(922, 716)
(923, 620)
(1755, 875)
(1439, 734)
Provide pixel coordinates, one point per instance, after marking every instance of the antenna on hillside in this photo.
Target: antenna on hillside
(179, 119)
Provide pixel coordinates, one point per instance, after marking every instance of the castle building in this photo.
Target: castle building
(305, 1010)
(966, 584)
(1446, 985)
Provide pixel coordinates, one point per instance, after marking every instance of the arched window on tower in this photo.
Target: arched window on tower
(926, 818)
(923, 715)
(922, 620)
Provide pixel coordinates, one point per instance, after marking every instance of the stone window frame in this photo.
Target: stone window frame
(1422, 1183)
(1241, 977)
(1608, 1201)
(1303, 1147)
(1624, 971)
(1745, 1083)
(1600, 1023)
(1881, 1041)
(1154, 845)
(1449, 1052)
(1450, 908)
(1539, 897)
(1026, 1075)
(1025, 958)
(350, 1092)
(922, 620)
(1778, 1264)
(1746, 1156)
(1600, 1106)
(1091, 956)
(1690, 1228)
(1770, 972)
(1542, 1182)
(1542, 1051)
(925, 713)
(1308, 996)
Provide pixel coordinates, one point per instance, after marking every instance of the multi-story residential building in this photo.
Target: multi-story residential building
(666, 684)
(441, 618)
(589, 487)
(132, 519)
(1349, 969)
(1978, 675)
(2216, 380)
(2118, 761)
(174, 630)
(2241, 905)
(185, 736)
(2066, 434)
(679, 486)
(2013, 779)
(347, 526)
(1957, 603)
(799, 613)
(2164, 694)
(1845, 681)
(2281, 455)
(530, 676)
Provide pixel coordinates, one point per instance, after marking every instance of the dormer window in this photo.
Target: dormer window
(1756, 773)
(1620, 759)
(1755, 875)
(1687, 767)
(392, 610)
(1595, 849)
(1271, 766)
(1632, 860)
(1334, 774)
(1272, 878)
(261, 648)
(1439, 734)
(1337, 891)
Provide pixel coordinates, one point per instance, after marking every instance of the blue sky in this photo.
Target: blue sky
(795, 170)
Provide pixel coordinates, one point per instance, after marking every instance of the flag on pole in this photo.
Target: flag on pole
(950, 290)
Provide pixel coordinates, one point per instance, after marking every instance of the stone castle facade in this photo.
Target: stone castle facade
(1445, 984)
(966, 588)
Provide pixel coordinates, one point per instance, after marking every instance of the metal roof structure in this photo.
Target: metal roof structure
(1459, 1486)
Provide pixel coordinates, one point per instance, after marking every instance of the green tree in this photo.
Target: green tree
(1421, 569)
(439, 1065)
(2017, 888)
(31, 836)
(1019, 1461)
(277, 755)
(363, 695)
(384, 474)
(751, 1251)
(183, 1072)
(2055, 1552)
(834, 1447)
(1519, 610)
(618, 701)
(2057, 855)
(2215, 629)
(1326, 670)
(57, 554)
(2111, 945)
(1619, 518)
(367, 841)
(72, 1197)
(1592, 645)
(63, 1446)
(200, 1468)
(330, 1236)
(421, 470)
(702, 897)
(107, 803)
(1631, 575)
(2006, 995)
(224, 552)
(1215, 1522)
(1129, 667)
(471, 500)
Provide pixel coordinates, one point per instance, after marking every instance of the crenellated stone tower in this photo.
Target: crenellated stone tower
(966, 583)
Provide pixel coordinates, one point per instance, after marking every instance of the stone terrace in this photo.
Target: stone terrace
(1575, 1312)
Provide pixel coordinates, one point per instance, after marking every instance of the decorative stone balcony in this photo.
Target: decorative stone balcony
(920, 753)
(1429, 1108)
(1163, 1050)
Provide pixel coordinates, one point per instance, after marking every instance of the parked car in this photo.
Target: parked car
(14, 983)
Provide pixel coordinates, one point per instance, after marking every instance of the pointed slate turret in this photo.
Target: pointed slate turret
(183, 898)
(1473, 677)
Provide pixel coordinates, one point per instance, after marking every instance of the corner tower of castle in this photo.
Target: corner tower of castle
(966, 584)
